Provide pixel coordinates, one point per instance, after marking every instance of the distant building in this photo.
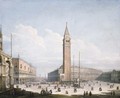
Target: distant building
(23, 71)
(54, 76)
(65, 72)
(105, 76)
(6, 67)
(85, 74)
(115, 76)
(112, 76)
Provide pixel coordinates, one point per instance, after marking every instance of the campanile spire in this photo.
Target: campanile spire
(66, 30)
(67, 55)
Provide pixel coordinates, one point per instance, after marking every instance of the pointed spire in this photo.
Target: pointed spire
(66, 30)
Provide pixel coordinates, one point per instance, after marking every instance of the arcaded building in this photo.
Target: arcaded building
(68, 73)
(6, 67)
(23, 71)
(111, 76)
(115, 76)
(85, 74)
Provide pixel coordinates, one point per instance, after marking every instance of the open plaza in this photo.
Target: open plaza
(95, 87)
(60, 49)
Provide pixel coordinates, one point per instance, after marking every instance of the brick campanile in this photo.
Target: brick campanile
(67, 55)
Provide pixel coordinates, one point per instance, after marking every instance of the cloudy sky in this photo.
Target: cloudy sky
(38, 26)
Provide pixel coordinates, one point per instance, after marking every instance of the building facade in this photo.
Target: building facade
(54, 76)
(23, 71)
(6, 68)
(85, 74)
(115, 76)
(105, 76)
(111, 76)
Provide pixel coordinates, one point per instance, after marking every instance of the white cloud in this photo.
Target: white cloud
(53, 43)
(6, 38)
(45, 52)
(41, 51)
(87, 49)
(29, 33)
(92, 56)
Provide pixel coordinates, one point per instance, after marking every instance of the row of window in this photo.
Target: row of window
(23, 67)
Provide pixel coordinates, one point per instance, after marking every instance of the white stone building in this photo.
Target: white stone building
(23, 71)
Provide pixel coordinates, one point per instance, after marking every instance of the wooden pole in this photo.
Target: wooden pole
(73, 71)
(79, 69)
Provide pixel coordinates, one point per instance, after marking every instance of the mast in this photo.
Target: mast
(73, 70)
(10, 67)
(11, 45)
(79, 69)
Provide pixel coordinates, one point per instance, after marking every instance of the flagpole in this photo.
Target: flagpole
(79, 69)
(73, 70)
(11, 45)
(11, 85)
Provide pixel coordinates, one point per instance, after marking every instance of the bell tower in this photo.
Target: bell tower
(67, 55)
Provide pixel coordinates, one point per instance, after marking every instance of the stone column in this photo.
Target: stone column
(11, 82)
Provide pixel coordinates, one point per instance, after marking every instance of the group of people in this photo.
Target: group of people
(45, 92)
(86, 93)
(88, 87)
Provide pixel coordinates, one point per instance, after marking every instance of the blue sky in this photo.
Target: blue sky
(38, 28)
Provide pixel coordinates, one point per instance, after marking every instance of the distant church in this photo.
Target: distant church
(68, 73)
